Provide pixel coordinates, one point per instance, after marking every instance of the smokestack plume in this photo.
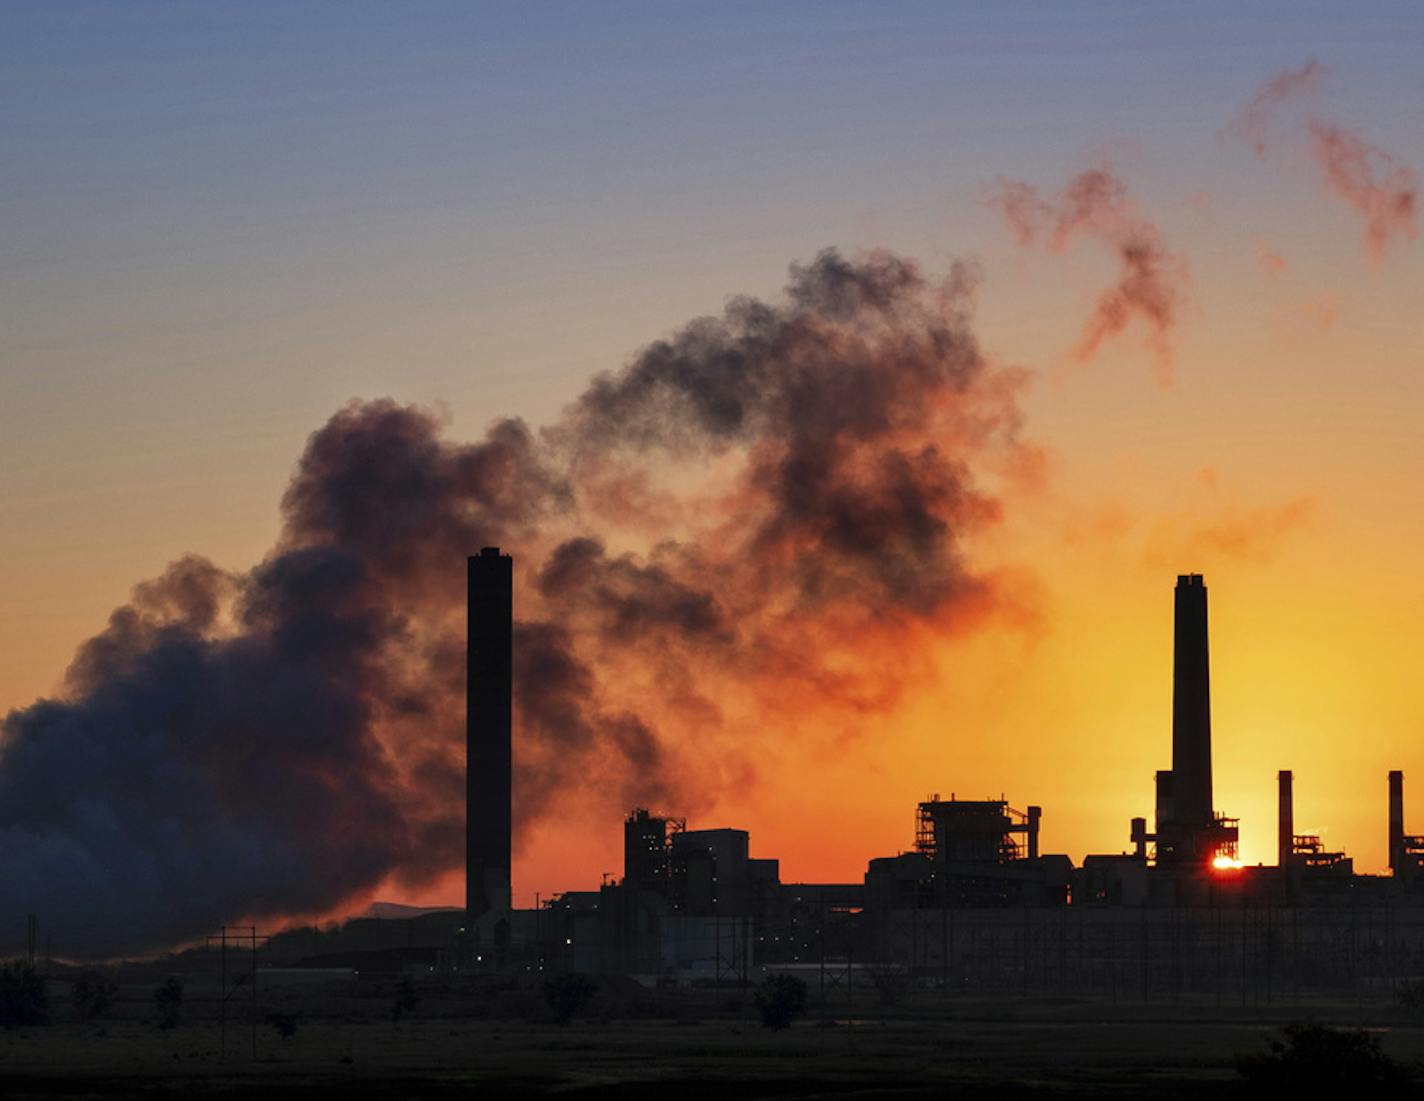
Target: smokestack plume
(1191, 707)
(1381, 190)
(763, 520)
(489, 729)
(1095, 204)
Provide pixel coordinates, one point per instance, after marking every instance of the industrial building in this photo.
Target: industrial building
(972, 903)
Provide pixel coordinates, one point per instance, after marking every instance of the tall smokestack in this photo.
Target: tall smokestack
(1396, 822)
(488, 721)
(1191, 707)
(1285, 822)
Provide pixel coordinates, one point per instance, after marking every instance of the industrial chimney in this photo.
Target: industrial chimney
(1191, 708)
(1285, 820)
(1396, 823)
(488, 720)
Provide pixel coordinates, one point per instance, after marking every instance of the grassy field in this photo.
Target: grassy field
(921, 1046)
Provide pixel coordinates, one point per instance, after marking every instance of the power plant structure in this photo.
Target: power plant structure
(1189, 833)
(974, 903)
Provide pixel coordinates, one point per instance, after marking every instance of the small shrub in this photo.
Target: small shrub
(284, 1024)
(1411, 995)
(1314, 1060)
(565, 995)
(23, 998)
(168, 1001)
(780, 999)
(406, 999)
(92, 994)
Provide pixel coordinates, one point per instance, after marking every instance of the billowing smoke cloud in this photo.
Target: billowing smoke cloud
(1096, 205)
(275, 743)
(1382, 191)
(190, 776)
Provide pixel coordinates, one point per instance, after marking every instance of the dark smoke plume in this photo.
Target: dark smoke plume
(1382, 191)
(1096, 205)
(275, 744)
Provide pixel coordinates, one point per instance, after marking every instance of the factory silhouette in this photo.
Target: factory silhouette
(974, 904)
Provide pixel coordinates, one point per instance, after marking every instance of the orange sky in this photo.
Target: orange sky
(169, 363)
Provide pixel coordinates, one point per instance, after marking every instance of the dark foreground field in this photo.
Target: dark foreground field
(916, 1048)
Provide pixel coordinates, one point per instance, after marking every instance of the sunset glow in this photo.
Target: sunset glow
(1023, 338)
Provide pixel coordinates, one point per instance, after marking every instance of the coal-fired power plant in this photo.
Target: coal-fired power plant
(976, 900)
(489, 707)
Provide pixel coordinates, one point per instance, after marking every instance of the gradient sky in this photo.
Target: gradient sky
(220, 222)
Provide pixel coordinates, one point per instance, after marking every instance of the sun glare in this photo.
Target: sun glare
(1225, 863)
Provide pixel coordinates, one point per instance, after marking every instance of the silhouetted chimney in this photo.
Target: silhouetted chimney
(1165, 814)
(489, 686)
(1191, 707)
(1035, 816)
(1285, 822)
(1396, 822)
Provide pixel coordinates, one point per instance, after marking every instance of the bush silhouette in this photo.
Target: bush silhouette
(779, 999)
(92, 994)
(567, 994)
(284, 1024)
(1411, 995)
(23, 998)
(1314, 1060)
(168, 1001)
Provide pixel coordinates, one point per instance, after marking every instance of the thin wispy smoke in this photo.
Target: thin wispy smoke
(275, 743)
(1096, 205)
(1324, 311)
(1384, 192)
(1207, 531)
(1242, 534)
(1271, 261)
(1253, 123)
